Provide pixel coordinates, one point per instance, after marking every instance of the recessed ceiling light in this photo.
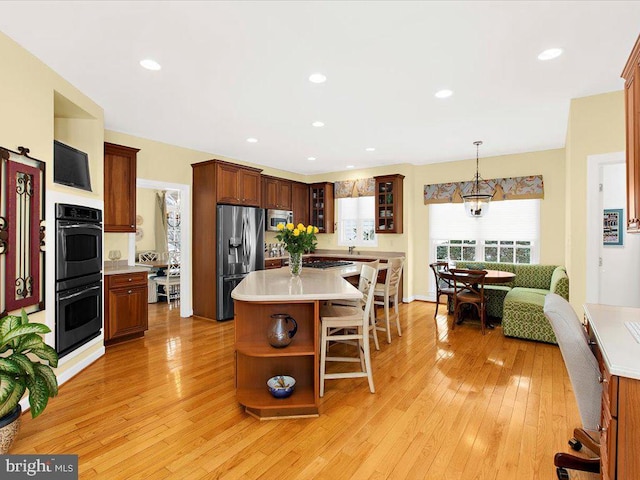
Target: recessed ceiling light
(351, 166)
(317, 78)
(150, 64)
(550, 54)
(318, 124)
(311, 159)
(370, 149)
(252, 140)
(443, 93)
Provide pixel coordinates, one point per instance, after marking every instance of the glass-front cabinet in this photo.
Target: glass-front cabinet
(322, 206)
(389, 203)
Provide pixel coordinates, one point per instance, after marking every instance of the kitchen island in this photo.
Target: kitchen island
(268, 292)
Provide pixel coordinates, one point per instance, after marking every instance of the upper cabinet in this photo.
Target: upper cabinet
(276, 193)
(300, 202)
(119, 188)
(238, 185)
(631, 75)
(389, 203)
(322, 206)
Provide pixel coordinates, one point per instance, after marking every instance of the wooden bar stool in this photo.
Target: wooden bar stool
(345, 324)
(387, 293)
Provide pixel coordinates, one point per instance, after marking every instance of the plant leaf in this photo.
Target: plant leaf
(7, 384)
(30, 340)
(38, 395)
(7, 324)
(25, 363)
(49, 377)
(45, 352)
(24, 330)
(14, 397)
(9, 366)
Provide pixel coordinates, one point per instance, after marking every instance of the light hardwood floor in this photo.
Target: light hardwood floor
(452, 405)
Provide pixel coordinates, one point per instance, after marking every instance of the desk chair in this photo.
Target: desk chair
(345, 324)
(468, 286)
(443, 286)
(584, 374)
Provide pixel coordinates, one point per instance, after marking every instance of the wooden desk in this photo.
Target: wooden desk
(618, 354)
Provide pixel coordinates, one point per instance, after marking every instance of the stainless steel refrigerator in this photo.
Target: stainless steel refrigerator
(240, 250)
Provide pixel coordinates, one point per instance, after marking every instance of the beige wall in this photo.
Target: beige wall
(146, 209)
(39, 106)
(596, 125)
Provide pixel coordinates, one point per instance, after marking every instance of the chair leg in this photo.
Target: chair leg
(396, 309)
(566, 460)
(435, 315)
(386, 317)
(367, 362)
(374, 328)
(587, 440)
(323, 358)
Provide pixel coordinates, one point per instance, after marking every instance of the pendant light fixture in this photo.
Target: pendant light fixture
(476, 203)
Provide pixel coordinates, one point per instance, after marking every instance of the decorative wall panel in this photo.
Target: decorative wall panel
(21, 231)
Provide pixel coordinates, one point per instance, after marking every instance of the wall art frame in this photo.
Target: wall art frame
(22, 231)
(612, 232)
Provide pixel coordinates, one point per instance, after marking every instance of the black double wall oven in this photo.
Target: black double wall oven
(78, 276)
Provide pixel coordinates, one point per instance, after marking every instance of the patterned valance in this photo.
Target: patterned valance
(502, 189)
(363, 187)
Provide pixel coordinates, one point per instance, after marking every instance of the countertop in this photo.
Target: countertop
(365, 255)
(620, 351)
(279, 285)
(115, 268)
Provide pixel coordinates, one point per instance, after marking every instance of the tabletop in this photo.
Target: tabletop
(492, 276)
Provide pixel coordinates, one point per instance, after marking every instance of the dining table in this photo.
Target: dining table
(493, 277)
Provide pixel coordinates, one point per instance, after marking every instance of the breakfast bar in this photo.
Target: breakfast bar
(270, 292)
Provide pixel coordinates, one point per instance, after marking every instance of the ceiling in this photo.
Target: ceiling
(234, 70)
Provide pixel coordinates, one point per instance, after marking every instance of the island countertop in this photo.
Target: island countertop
(279, 285)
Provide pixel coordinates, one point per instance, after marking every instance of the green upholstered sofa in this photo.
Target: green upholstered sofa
(520, 302)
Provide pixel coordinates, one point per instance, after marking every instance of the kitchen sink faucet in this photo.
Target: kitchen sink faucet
(351, 249)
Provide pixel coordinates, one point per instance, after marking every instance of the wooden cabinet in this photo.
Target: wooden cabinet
(257, 360)
(300, 203)
(389, 203)
(631, 74)
(271, 263)
(125, 309)
(119, 188)
(322, 206)
(276, 193)
(238, 185)
(620, 415)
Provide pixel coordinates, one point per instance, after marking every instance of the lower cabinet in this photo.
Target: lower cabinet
(270, 263)
(126, 307)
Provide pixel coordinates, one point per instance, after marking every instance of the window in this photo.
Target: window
(356, 226)
(509, 233)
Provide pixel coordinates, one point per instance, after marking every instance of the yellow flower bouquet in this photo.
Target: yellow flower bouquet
(297, 240)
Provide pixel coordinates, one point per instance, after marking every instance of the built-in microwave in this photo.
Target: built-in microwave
(274, 217)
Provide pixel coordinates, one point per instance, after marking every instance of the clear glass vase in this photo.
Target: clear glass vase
(295, 263)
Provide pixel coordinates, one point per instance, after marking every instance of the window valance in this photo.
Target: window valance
(502, 189)
(362, 187)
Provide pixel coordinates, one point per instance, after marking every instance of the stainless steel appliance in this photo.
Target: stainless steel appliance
(78, 276)
(274, 217)
(239, 249)
(78, 241)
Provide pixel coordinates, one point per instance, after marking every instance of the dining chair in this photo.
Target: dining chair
(444, 286)
(468, 286)
(584, 374)
(340, 323)
(171, 279)
(386, 294)
(149, 256)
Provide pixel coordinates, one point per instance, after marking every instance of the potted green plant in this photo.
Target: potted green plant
(26, 364)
